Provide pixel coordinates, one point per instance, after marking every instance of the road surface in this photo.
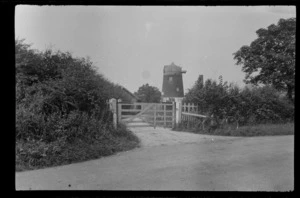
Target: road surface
(169, 160)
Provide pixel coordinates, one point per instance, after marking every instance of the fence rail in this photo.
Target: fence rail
(190, 108)
(157, 113)
(194, 115)
(152, 113)
(190, 115)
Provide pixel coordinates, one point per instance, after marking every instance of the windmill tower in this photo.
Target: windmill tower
(172, 83)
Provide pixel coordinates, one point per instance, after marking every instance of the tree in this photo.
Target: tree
(210, 96)
(191, 95)
(147, 93)
(249, 105)
(270, 59)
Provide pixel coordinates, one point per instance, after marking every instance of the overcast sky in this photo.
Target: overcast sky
(131, 44)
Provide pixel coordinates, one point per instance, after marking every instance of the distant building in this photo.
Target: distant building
(133, 98)
(172, 83)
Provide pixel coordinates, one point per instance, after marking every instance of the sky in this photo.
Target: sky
(130, 45)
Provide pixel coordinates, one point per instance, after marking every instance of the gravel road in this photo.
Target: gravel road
(169, 160)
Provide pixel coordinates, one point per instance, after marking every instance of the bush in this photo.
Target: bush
(247, 106)
(62, 113)
(76, 138)
(245, 131)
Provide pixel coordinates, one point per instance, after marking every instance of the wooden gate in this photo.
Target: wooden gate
(153, 114)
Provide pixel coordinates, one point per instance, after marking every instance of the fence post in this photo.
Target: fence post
(189, 117)
(173, 114)
(154, 116)
(165, 114)
(113, 108)
(119, 112)
(178, 110)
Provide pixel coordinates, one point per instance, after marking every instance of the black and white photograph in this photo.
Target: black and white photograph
(155, 98)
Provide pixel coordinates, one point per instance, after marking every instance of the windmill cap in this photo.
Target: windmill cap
(173, 69)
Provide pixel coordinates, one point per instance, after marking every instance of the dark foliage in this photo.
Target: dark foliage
(247, 106)
(147, 93)
(61, 103)
(270, 59)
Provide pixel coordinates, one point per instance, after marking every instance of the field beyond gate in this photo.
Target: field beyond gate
(155, 114)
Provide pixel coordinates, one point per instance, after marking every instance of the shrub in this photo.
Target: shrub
(75, 138)
(247, 106)
(246, 131)
(61, 110)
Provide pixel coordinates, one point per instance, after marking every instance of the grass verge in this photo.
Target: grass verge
(33, 154)
(246, 131)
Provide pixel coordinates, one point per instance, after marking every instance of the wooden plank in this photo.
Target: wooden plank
(135, 106)
(165, 114)
(131, 110)
(154, 116)
(161, 121)
(146, 125)
(129, 104)
(137, 115)
(145, 104)
(134, 121)
(113, 105)
(174, 118)
(189, 117)
(145, 116)
(146, 120)
(161, 116)
(193, 114)
(119, 112)
(126, 116)
(137, 103)
(160, 111)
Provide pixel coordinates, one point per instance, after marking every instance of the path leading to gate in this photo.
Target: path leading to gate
(151, 137)
(169, 160)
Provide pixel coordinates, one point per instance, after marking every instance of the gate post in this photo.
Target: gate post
(173, 114)
(154, 116)
(113, 108)
(178, 110)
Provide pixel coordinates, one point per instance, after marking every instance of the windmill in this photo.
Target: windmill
(172, 88)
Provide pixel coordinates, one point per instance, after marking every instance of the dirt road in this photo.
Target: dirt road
(171, 160)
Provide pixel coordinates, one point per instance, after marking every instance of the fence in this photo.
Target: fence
(161, 114)
(190, 116)
(157, 113)
(190, 108)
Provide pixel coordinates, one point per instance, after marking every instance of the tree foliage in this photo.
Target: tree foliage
(270, 59)
(61, 109)
(147, 93)
(250, 105)
(56, 84)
